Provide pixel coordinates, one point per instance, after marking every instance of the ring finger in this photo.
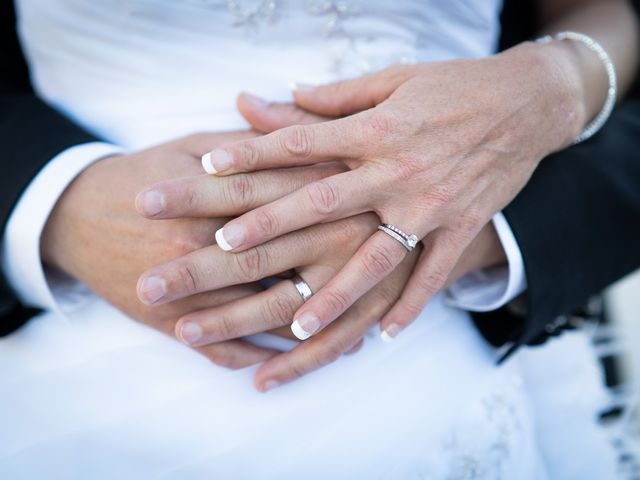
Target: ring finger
(263, 311)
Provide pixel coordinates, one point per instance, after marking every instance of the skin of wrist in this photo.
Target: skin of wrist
(590, 76)
(53, 247)
(557, 69)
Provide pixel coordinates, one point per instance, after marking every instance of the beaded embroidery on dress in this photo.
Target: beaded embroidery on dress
(214, 48)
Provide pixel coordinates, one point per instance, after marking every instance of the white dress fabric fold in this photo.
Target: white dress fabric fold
(102, 397)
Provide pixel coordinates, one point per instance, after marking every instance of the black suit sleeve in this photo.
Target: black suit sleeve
(31, 133)
(577, 221)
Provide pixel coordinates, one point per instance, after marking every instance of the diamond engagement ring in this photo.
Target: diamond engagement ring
(303, 287)
(408, 241)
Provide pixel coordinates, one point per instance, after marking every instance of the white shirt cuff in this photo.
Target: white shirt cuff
(21, 262)
(489, 289)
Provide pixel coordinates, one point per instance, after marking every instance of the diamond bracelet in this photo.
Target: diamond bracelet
(602, 117)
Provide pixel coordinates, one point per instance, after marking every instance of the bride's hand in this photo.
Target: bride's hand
(202, 197)
(436, 150)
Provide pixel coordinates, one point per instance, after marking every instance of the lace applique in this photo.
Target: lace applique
(346, 56)
(350, 54)
(264, 12)
(335, 13)
(489, 460)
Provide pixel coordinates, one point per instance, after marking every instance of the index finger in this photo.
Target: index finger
(207, 196)
(289, 147)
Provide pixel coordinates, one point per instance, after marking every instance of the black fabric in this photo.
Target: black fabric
(577, 222)
(31, 133)
(519, 22)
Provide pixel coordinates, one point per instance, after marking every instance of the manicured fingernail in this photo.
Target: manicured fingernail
(230, 236)
(270, 385)
(305, 325)
(255, 101)
(150, 203)
(190, 332)
(301, 87)
(216, 161)
(153, 289)
(391, 332)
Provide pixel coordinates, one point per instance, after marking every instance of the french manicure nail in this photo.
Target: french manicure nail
(190, 332)
(216, 161)
(390, 333)
(270, 385)
(305, 325)
(230, 236)
(153, 289)
(150, 203)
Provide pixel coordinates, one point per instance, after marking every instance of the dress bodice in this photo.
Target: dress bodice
(139, 71)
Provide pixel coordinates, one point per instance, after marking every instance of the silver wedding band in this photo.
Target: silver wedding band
(408, 241)
(303, 287)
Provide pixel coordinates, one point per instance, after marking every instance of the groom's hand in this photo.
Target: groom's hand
(95, 234)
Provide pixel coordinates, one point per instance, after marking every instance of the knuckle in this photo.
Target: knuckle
(377, 262)
(324, 197)
(267, 222)
(382, 124)
(240, 191)
(250, 155)
(297, 140)
(252, 263)
(411, 309)
(469, 224)
(434, 281)
(188, 277)
(361, 226)
(297, 369)
(336, 300)
(407, 167)
(439, 197)
(348, 234)
(192, 199)
(280, 309)
(325, 356)
(225, 327)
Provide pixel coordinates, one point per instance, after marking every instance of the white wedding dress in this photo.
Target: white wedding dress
(96, 395)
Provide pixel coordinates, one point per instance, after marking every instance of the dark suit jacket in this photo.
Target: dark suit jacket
(577, 222)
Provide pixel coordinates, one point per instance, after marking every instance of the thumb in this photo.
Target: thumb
(267, 117)
(351, 96)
